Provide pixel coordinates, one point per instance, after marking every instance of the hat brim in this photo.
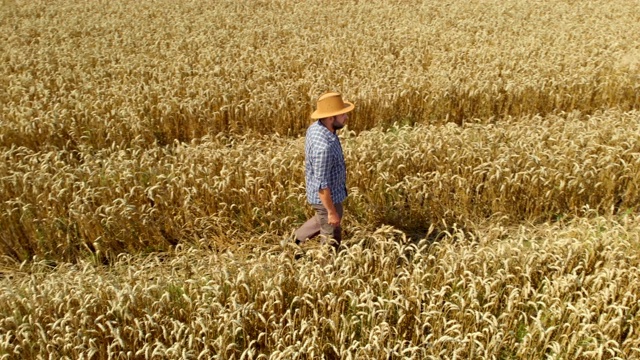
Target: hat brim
(348, 106)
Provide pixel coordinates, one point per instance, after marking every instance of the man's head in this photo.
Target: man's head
(331, 108)
(338, 121)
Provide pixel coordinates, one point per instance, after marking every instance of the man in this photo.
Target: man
(325, 169)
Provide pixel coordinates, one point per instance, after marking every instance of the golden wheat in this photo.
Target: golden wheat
(563, 291)
(63, 204)
(161, 138)
(123, 72)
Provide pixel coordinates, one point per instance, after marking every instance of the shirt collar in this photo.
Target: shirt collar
(327, 130)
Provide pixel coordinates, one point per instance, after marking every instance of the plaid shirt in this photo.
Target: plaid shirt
(324, 164)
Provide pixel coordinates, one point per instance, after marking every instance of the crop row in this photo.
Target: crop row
(561, 291)
(65, 204)
(81, 74)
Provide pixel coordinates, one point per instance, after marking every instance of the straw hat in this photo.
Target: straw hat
(331, 104)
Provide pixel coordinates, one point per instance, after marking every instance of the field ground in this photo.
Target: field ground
(151, 171)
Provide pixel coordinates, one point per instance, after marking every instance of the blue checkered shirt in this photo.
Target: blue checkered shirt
(324, 164)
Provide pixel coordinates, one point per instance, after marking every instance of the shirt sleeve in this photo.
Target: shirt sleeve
(321, 160)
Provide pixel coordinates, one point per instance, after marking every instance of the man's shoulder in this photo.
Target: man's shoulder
(317, 132)
(314, 127)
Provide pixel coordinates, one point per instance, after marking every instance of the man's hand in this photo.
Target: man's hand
(332, 214)
(334, 219)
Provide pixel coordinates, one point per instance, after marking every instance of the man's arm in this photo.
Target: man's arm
(321, 166)
(325, 197)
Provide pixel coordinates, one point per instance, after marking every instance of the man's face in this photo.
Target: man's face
(339, 121)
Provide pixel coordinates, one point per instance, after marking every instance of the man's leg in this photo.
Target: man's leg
(326, 229)
(308, 230)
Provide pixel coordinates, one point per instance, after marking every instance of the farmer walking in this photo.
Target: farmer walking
(325, 170)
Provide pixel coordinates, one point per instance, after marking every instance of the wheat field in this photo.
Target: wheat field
(152, 172)
(124, 72)
(564, 291)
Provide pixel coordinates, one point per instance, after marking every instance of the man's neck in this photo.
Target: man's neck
(328, 124)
